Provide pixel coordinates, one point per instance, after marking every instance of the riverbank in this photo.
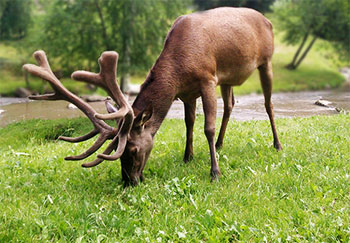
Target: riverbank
(247, 107)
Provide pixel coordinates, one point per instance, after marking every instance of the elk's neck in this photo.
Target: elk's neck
(158, 91)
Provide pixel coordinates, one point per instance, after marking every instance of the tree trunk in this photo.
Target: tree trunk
(127, 39)
(103, 25)
(292, 64)
(305, 52)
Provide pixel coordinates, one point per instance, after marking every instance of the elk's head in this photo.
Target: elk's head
(138, 149)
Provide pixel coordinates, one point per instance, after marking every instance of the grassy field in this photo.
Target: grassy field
(299, 194)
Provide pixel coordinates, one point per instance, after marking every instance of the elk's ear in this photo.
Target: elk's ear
(110, 107)
(143, 117)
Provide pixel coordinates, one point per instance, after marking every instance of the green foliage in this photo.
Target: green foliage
(14, 18)
(317, 72)
(324, 19)
(300, 194)
(75, 33)
(260, 5)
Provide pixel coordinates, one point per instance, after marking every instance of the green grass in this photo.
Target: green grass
(298, 194)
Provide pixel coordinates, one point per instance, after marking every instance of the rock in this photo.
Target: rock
(72, 106)
(324, 103)
(23, 92)
(93, 98)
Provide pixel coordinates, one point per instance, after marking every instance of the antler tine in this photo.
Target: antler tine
(61, 93)
(118, 153)
(107, 151)
(79, 139)
(99, 142)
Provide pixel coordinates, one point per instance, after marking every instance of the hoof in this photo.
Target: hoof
(188, 158)
(278, 146)
(218, 146)
(215, 175)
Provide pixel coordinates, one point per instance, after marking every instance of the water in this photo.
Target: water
(286, 105)
(248, 107)
(41, 109)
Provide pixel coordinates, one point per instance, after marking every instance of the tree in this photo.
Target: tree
(260, 5)
(324, 19)
(76, 32)
(14, 18)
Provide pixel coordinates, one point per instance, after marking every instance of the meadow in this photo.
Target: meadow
(299, 194)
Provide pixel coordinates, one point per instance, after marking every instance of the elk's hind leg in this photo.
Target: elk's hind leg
(190, 116)
(266, 76)
(208, 92)
(229, 102)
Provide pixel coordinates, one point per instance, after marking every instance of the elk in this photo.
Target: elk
(221, 46)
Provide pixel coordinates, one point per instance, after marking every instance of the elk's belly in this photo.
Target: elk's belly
(235, 76)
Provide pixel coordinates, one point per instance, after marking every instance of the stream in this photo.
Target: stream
(247, 107)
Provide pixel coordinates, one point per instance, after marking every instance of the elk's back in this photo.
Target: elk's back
(225, 43)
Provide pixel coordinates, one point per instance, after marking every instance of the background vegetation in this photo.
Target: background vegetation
(74, 33)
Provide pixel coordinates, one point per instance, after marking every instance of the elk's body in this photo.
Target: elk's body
(222, 47)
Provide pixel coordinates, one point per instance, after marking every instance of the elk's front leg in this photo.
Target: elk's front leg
(190, 116)
(229, 101)
(208, 92)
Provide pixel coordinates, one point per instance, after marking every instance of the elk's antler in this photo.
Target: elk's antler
(105, 79)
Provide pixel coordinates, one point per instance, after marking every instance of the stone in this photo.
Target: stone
(324, 103)
(72, 106)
